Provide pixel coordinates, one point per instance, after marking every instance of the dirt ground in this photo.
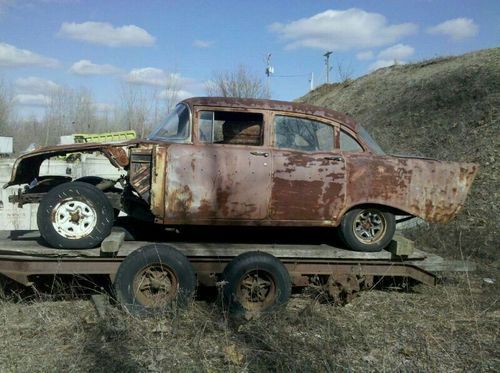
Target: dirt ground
(453, 326)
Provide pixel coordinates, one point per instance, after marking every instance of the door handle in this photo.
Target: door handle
(334, 158)
(261, 154)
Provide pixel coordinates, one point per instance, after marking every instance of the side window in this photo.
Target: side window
(348, 143)
(302, 134)
(225, 127)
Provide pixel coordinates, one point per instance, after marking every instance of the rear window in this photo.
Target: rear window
(349, 143)
(302, 134)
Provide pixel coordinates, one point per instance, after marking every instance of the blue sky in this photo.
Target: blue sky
(105, 44)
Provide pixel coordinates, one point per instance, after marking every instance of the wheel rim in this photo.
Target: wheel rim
(256, 290)
(74, 219)
(155, 286)
(369, 226)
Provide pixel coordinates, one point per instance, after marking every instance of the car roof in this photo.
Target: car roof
(292, 107)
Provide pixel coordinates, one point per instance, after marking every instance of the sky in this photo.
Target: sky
(104, 44)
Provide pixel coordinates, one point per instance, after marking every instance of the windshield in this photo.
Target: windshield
(175, 127)
(363, 133)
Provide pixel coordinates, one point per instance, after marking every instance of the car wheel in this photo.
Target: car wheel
(75, 216)
(255, 282)
(154, 278)
(96, 180)
(367, 229)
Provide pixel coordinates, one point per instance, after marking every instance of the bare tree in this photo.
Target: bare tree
(345, 71)
(84, 115)
(170, 93)
(240, 83)
(137, 103)
(5, 106)
(57, 115)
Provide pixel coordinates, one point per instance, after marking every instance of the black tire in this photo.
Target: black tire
(92, 180)
(367, 229)
(95, 180)
(89, 211)
(174, 280)
(275, 287)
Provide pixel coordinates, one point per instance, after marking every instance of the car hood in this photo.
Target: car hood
(27, 166)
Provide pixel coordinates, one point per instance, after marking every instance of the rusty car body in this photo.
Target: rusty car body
(226, 161)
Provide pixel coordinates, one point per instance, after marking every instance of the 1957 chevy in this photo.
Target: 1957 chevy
(224, 161)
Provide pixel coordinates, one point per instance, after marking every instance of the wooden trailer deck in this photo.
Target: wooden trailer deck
(25, 254)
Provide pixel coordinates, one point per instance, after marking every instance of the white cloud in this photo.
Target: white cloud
(31, 100)
(102, 107)
(172, 94)
(342, 30)
(365, 55)
(457, 29)
(396, 52)
(384, 63)
(202, 43)
(86, 67)
(104, 33)
(175, 87)
(10, 56)
(151, 76)
(34, 84)
(391, 56)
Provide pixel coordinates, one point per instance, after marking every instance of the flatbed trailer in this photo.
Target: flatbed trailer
(23, 256)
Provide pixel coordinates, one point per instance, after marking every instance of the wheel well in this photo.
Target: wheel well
(392, 210)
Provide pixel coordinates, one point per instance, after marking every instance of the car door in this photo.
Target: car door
(309, 181)
(225, 175)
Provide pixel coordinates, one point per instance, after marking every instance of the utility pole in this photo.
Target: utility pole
(311, 82)
(269, 71)
(327, 64)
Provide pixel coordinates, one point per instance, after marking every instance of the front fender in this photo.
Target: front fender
(27, 166)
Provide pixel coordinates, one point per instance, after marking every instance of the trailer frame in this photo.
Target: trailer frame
(23, 256)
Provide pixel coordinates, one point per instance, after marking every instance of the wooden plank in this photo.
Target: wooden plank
(281, 251)
(32, 245)
(401, 246)
(436, 263)
(113, 242)
(101, 303)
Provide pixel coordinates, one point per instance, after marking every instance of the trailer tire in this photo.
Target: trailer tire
(75, 215)
(367, 229)
(255, 282)
(153, 279)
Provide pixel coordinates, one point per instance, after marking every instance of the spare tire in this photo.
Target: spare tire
(75, 215)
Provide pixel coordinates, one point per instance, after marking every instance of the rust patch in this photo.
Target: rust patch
(307, 187)
(140, 173)
(432, 190)
(179, 202)
(118, 155)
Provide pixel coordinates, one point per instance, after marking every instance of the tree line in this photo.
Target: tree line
(139, 107)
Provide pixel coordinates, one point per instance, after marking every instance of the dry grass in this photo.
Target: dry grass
(451, 327)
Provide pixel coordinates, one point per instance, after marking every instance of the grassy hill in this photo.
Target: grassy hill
(445, 108)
